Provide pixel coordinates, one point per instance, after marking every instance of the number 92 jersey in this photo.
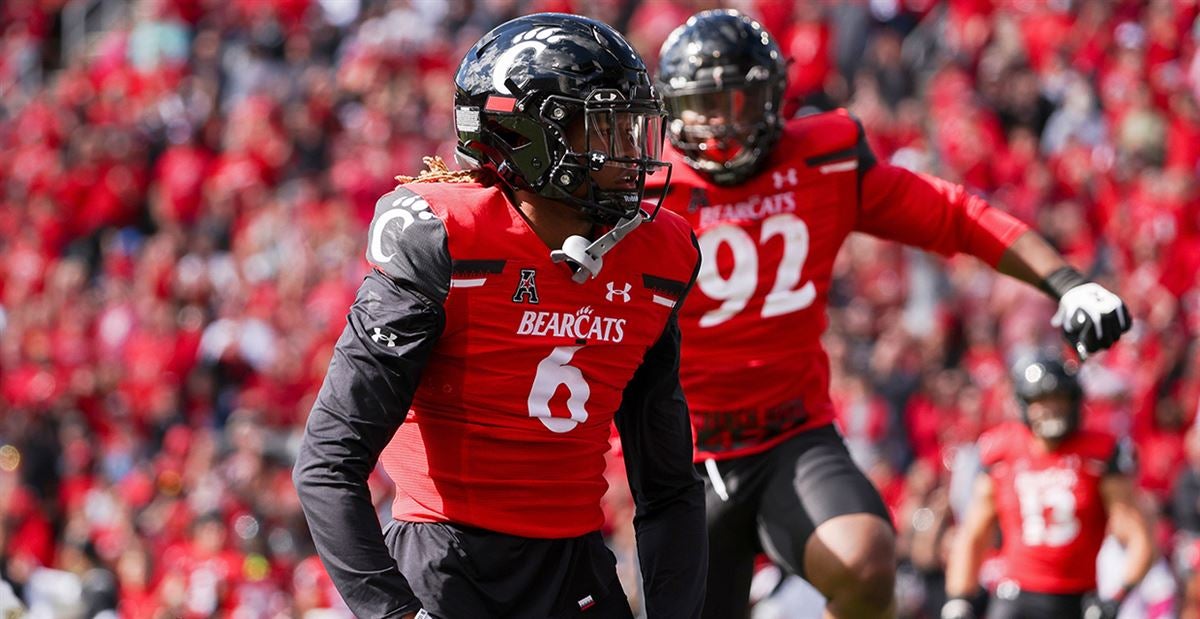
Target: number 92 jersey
(511, 418)
(1049, 506)
(753, 368)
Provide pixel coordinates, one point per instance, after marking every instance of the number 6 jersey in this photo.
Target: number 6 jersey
(511, 417)
(753, 368)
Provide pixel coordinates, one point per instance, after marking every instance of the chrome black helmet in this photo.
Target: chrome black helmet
(1046, 374)
(533, 84)
(722, 78)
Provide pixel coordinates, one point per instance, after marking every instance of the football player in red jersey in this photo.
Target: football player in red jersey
(771, 202)
(1054, 489)
(509, 320)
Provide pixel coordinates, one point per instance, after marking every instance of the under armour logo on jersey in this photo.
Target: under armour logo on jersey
(526, 287)
(386, 338)
(623, 293)
(789, 177)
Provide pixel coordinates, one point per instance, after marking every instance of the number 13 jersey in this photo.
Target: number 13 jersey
(1049, 506)
(753, 368)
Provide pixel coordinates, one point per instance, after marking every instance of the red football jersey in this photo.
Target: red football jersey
(1051, 514)
(753, 368)
(511, 420)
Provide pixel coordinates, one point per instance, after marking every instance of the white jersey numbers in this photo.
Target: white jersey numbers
(552, 372)
(734, 291)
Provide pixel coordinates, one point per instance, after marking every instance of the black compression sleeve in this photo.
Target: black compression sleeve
(656, 435)
(372, 377)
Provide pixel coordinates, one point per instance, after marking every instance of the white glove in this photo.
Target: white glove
(1091, 317)
(958, 608)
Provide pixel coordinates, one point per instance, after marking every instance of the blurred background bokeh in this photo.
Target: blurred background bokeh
(184, 190)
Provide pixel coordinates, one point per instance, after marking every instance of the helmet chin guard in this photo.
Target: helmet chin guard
(587, 257)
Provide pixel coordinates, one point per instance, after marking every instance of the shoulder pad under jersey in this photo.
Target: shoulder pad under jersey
(407, 241)
(831, 136)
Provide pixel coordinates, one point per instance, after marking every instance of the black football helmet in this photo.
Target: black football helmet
(722, 79)
(1042, 375)
(522, 89)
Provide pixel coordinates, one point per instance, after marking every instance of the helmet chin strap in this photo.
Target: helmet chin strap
(588, 257)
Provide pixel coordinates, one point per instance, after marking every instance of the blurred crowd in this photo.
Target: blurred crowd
(183, 203)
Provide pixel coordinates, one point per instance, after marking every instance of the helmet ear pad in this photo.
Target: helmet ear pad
(523, 148)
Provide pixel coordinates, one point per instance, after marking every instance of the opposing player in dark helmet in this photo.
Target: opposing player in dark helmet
(771, 201)
(512, 315)
(1055, 490)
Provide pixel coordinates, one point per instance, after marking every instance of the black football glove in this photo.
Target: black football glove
(1095, 607)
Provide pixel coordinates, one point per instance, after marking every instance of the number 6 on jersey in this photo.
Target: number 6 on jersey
(552, 372)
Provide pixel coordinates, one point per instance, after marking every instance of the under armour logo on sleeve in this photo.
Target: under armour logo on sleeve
(386, 338)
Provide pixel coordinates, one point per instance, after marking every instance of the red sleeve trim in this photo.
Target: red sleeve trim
(997, 232)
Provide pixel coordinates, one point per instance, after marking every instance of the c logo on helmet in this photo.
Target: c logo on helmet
(536, 39)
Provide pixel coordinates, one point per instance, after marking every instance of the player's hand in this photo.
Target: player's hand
(1091, 317)
(958, 608)
(1096, 608)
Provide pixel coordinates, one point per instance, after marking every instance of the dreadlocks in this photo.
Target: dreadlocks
(436, 171)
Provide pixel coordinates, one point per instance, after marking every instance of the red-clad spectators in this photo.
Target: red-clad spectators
(182, 212)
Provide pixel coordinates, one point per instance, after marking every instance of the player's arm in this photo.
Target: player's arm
(1128, 524)
(391, 330)
(1191, 597)
(937, 215)
(968, 549)
(656, 435)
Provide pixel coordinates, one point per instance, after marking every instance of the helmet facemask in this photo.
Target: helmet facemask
(1055, 416)
(608, 146)
(725, 132)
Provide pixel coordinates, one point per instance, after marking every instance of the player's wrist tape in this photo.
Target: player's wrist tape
(1061, 280)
